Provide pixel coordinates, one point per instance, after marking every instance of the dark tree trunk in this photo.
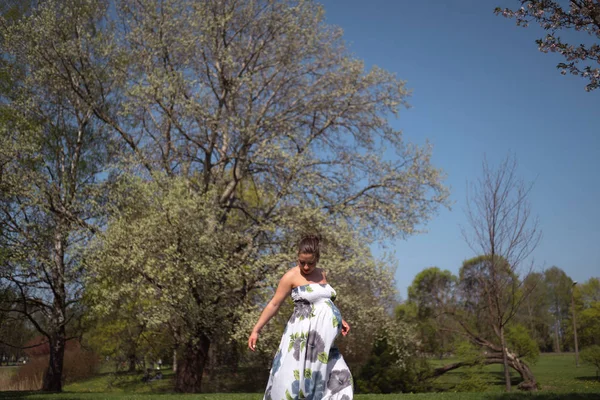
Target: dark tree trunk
(191, 359)
(132, 362)
(53, 377)
(529, 383)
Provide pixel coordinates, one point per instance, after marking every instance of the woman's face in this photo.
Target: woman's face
(307, 263)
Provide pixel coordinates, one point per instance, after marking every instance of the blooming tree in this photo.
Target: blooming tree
(240, 125)
(582, 16)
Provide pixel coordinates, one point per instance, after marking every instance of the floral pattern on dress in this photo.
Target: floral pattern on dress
(308, 365)
(302, 309)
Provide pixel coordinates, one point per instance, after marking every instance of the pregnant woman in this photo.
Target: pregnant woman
(307, 364)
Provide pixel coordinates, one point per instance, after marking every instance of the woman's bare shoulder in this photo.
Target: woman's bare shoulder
(291, 275)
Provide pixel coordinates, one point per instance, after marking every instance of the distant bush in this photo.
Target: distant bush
(522, 343)
(591, 354)
(383, 374)
(78, 364)
(472, 380)
(29, 376)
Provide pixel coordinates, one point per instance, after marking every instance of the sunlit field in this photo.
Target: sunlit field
(556, 373)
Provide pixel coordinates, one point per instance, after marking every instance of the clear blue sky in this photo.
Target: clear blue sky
(480, 86)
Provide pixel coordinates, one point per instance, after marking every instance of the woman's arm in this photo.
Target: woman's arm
(283, 290)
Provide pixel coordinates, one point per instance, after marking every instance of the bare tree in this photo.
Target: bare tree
(503, 229)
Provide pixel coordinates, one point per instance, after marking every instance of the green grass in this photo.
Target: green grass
(557, 374)
(554, 372)
(242, 396)
(123, 383)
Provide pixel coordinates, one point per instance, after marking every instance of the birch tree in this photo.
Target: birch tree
(52, 154)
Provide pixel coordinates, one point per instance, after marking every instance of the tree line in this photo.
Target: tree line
(447, 317)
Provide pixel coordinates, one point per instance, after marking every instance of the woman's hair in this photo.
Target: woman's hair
(310, 244)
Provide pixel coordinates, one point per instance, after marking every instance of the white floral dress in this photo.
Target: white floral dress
(307, 364)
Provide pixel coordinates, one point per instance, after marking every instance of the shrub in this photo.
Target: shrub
(591, 354)
(521, 342)
(29, 376)
(78, 364)
(472, 380)
(384, 374)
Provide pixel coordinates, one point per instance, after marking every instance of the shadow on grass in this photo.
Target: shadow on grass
(98, 396)
(499, 378)
(118, 385)
(135, 385)
(543, 396)
(22, 394)
(588, 378)
(76, 395)
(131, 382)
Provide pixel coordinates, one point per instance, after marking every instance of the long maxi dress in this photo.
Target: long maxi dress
(307, 364)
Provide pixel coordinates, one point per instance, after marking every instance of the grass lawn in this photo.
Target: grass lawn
(555, 372)
(242, 396)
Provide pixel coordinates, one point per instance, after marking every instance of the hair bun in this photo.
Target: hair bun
(316, 238)
(310, 244)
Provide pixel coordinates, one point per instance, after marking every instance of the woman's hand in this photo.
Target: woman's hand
(345, 327)
(252, 340)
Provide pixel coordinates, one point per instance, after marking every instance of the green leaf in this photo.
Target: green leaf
(335, 322)
(297, 374)
(323, 357)
(307, 373)
(309, 289)
(288, 396)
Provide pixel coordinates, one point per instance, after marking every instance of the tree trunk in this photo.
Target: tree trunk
(132, 360)
(53, 377)
(529, 383)
(528, 379)
(556, 341)
(174, 360)
(505, 360)
(190, 364)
